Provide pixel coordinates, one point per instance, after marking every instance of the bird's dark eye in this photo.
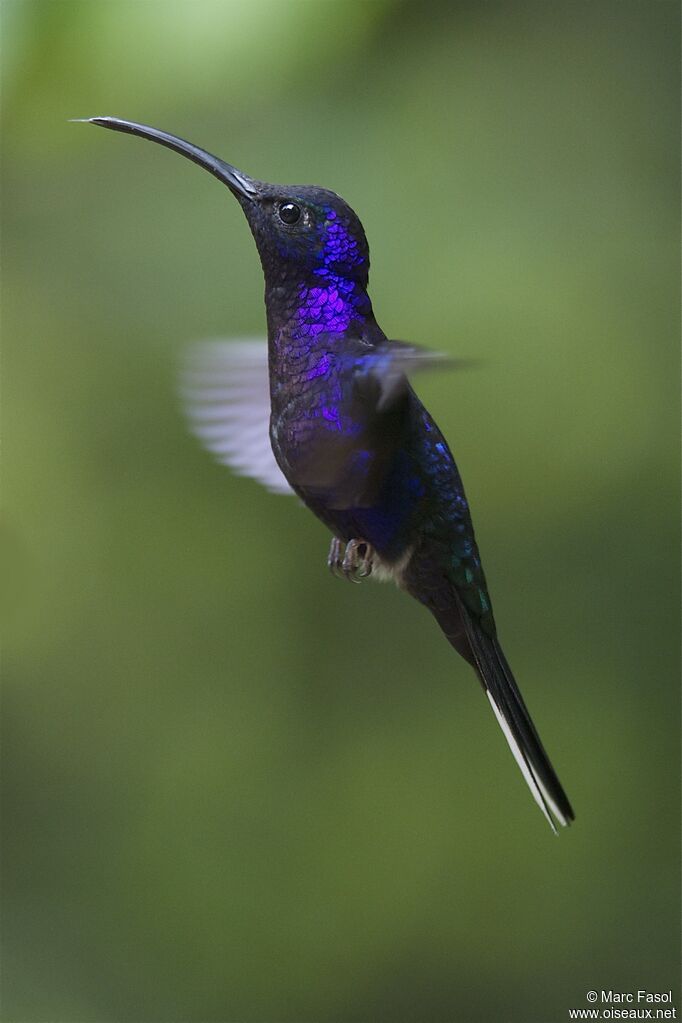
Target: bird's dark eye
(289, 212)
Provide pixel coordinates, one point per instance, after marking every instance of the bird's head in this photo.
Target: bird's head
(300, 230)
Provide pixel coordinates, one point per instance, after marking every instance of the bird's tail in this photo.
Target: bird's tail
(512, 714)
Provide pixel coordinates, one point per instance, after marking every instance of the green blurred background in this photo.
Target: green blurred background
(236, 789)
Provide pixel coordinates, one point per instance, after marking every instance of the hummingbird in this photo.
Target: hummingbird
(347, 432)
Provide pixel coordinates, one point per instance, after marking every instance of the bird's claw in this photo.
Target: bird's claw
(357, 561)
(335, 557)
(351, 561)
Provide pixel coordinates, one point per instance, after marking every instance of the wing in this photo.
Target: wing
(344, 446)
(225, 392)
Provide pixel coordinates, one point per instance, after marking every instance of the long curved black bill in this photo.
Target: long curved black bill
(240, 184)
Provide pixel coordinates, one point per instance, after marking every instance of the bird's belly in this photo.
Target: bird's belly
(393, 571)
(388, 527)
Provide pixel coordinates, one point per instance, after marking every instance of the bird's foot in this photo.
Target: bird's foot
(357, 561)
(335, 557)
(351, 561)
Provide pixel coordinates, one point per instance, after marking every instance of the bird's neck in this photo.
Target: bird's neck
(321, 305)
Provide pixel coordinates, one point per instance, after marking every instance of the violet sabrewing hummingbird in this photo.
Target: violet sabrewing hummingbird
(348, 433)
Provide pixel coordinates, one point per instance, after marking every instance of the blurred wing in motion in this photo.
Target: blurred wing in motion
(225, 392)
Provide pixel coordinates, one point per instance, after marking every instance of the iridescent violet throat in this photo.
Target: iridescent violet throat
(348, 433)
